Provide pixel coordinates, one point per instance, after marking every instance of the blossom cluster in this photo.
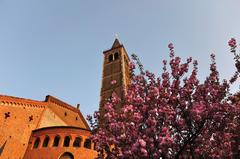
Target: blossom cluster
(171, 116)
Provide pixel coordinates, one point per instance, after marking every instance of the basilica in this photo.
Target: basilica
(53, 129)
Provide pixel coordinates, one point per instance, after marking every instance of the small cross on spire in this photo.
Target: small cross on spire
(116, 36)
(116, 43)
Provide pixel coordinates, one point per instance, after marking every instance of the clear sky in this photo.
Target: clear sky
(55, 46)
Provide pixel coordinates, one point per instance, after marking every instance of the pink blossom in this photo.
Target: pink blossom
(143, 151)
(142, 143)
(113, 82)
(131, 65)
(155, 91)
(170, 46)
(164, 62)
(232, 42)
(170, 115)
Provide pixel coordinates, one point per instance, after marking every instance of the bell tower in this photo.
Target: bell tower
(116, 74)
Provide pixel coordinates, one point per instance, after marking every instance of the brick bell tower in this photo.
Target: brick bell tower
(116, 74)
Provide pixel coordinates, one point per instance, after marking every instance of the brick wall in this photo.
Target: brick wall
(53, 152)
(19, 117)
(16, 124)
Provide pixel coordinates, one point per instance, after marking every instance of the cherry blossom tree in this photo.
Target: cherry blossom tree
(171, 116)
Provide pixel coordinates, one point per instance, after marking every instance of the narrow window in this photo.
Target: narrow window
(77, 142)
(36, 143)
(46, 141)
(110, 58)
(116, 56)
(56, 141)
(87, 144)
(126, 61)
(95, 146)
(66, 141)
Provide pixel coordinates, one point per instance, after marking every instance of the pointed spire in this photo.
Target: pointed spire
(2, 147)
(116, 43)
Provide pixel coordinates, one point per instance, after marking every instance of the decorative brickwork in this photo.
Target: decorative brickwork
(52, 150)
(16, 128)
(19, 117)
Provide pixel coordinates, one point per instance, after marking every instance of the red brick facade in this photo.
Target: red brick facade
(53, 142)
(53, 129)
(22, 119)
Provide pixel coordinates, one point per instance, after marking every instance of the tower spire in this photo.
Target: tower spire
(116, 74)
(116, 42)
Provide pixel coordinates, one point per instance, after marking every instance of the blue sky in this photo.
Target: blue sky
(55, 46)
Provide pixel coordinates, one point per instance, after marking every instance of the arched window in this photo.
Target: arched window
(110, 58)
(116, 56)
(87, 144)
(67, 155)
(36, 143)
(77, 142)
(95, 146)
(56, 141)
(66, 141)
(46, 141)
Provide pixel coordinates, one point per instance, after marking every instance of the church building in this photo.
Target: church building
(53, 129)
